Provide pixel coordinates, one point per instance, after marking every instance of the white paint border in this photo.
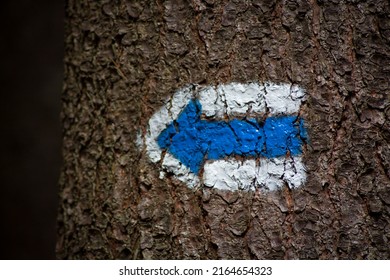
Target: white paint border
(269, 174)
(230, 101)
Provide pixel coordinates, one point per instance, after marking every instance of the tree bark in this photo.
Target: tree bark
(123, 59)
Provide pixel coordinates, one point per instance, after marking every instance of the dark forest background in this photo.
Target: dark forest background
(31, 74)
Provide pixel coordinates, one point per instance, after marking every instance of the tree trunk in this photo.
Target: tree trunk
(125, 59)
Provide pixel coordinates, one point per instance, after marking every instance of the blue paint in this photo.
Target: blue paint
(192, 140)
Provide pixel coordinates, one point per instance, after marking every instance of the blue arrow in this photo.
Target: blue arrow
(193, 140)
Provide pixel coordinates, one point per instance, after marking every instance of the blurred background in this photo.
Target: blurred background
(31, 74)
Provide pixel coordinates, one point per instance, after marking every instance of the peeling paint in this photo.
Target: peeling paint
(203, 129)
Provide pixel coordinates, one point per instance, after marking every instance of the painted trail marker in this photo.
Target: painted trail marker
(233, 136)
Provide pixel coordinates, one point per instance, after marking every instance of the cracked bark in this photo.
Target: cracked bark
(124, 58)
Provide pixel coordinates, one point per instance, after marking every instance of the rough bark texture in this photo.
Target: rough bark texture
(125, 58)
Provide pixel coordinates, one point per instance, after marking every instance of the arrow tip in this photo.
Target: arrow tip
(180, 137)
